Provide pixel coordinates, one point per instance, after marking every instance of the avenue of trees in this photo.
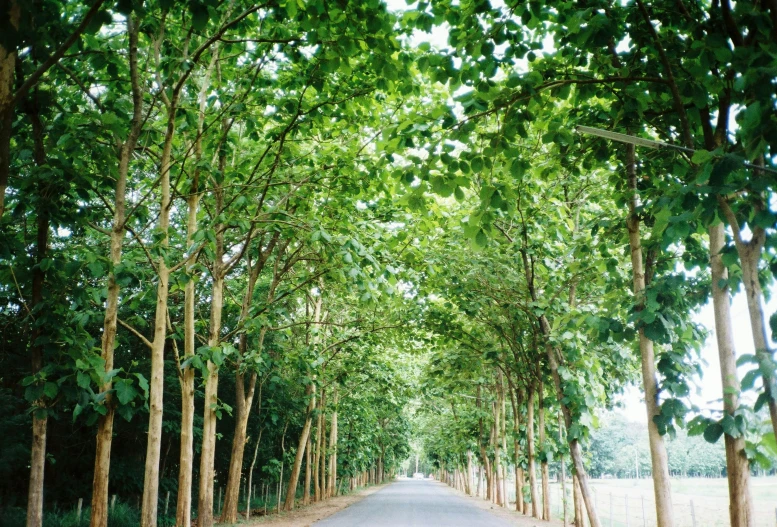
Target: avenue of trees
(274, 242)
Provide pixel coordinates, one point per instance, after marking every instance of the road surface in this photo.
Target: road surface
(410, 503)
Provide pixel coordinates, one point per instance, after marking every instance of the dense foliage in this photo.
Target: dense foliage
(275, 243)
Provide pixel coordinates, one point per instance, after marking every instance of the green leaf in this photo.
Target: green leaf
(50, 389)
(713, 432)
(125, 392)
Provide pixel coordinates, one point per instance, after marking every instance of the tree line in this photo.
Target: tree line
(205, 203)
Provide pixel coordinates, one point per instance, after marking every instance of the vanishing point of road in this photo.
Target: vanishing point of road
(413, 503)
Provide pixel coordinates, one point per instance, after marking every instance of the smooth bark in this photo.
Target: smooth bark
(662, 487)
(291, 491)
(530, 450)
(100, 481)
(544, 461)
(737, 467)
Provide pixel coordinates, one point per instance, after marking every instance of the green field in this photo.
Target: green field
(706, 499)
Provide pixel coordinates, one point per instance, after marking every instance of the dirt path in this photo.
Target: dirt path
(306, 516)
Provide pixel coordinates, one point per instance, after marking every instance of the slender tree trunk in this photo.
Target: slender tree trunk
(303, 441)
(578, 501)
(738, 471)
(208, 450)
(183, 513)
(497, 492)
(308, 457)
(520, 506)
(99, 512)
(503, 434)
(535, 506)
(749, 257)
(332, 485)
(150, 500)
(554, 356)
(562, 463)
(322, 449)
(7, 67)
(251, 468)
(468, 480)
(39, 413)
(317, 458)
(544, 462)
(662, 488)
(243, 410)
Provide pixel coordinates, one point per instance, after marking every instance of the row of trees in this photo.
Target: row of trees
(184, 239)
(197, 195)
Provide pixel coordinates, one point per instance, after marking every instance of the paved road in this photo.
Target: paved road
(409, 503)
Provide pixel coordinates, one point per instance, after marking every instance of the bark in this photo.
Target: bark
(100, 481)
(332, 484)
(520, 506)
(544, 462)
(468, 480)
(662, 488)
(186, 375)
(483, 453)
(39, 414)
(7, 67)
(496, 494)
(738, 471)
(578, 502)
(251, 468)
(303, 441)
(207, 456)
(322, 449)
(148, 514)
(308, 457)
(503, 434)
(562, 463)
(317, 455)
(749, 258)
(535, 506)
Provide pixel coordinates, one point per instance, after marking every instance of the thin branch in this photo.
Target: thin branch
(135, 332)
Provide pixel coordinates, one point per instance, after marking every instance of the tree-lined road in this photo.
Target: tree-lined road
(410, 503)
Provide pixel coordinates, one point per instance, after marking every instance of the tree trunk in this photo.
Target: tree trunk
(738, 471)
(208, 450)
(544, 461)
(553, 363)
(308, 457)
(317, 457)
(662, 488)
(578, 502)
(535, 506)
(39, 413)
(148, 514)
(251, 468)
(242, 412)
(183, 513)
(749, 257)
(322, 449)
(7, 67)
(520, 506)
(468, 480)
(503, 434)
(99, 512)
(562, 463)
(332, 485)
(303, 441)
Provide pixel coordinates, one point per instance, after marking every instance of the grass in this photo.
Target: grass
(705, 499)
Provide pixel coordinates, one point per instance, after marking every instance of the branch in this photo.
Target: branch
(135, 332)
(43, 68)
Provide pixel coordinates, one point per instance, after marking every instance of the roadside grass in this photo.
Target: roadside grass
(620, 502)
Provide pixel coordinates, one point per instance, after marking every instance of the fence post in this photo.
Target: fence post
(113, 502)
(693, 515)
(218, 508)
(78, 514)
(628, 521)
(611, 524)
(644, 521)
(167, 501)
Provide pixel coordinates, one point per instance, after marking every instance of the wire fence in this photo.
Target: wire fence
(624, 503)
(637, 509)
